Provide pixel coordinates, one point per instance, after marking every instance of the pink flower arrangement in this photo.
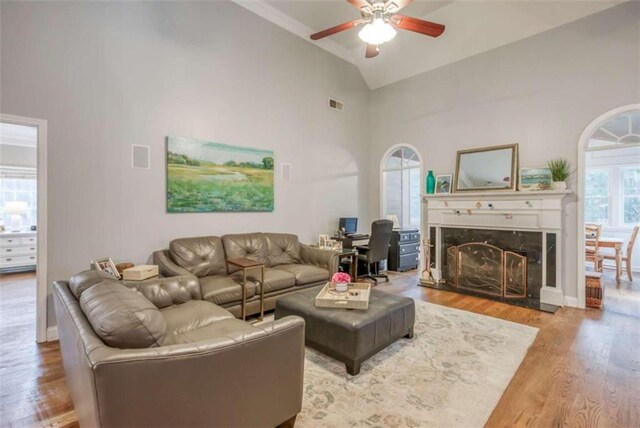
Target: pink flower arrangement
(340, 277)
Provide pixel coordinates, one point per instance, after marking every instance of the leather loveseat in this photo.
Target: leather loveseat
(290, 266)
(155, 354)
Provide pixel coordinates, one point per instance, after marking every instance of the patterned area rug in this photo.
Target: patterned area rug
(451, 374)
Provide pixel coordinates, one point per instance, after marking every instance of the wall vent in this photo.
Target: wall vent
(140, 156)
(335, 104)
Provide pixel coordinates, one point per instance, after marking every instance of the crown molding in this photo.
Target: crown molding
(270, 13)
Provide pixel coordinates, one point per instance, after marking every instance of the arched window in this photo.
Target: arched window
(401, 178)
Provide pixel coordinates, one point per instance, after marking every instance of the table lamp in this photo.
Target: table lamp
(16, 209)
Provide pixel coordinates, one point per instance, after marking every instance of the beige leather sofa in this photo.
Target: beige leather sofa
(155, 355)
(290, 266)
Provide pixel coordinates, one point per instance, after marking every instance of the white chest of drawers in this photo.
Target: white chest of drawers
(18, 250)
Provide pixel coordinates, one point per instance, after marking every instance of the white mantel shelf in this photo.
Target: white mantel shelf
(498, 194)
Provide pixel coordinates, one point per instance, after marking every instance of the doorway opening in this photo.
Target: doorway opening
(22, 215)
(609, 211)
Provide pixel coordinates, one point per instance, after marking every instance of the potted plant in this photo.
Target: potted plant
(560, 171)
(341, 281)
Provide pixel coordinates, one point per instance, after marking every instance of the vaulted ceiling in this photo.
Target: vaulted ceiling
(473, 27)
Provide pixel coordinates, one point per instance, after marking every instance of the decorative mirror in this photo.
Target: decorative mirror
(489, 168)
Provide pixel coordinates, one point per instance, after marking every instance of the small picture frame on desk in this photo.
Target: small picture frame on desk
(106, 265)
(322, 241)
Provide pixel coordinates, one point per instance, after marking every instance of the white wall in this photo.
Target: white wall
(106, 75)
(541, 92)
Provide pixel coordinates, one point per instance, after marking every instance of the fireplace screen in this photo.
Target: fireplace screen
(487, 269)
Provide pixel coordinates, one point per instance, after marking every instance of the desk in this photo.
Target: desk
(348, 241)
(615, 243)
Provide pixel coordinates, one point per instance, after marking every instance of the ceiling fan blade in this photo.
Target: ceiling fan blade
(336, 29)
(417, 25)
(361, 5)
(392, 6)
(372, 50)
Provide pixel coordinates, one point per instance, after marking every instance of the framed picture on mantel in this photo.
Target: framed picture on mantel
(532, 179)
(443, 183)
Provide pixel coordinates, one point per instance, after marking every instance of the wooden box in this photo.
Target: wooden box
(595, 291)
(140, 272)
(356, 297)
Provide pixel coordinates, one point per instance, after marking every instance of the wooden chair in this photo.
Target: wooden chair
(626, 259)
(592, 253)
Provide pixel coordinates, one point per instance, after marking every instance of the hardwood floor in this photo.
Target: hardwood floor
(582, 370)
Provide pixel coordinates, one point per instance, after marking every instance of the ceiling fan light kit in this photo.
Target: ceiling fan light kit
(381, 21)
(377, 32)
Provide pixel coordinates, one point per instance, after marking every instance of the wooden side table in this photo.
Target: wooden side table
(247, 264)
(352, 254)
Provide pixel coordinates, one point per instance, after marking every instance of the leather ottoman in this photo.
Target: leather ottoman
(351, 335)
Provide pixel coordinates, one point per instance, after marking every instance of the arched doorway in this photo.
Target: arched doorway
(602, 177)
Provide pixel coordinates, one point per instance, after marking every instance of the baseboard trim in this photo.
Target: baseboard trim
(52, 333)
(571, 301)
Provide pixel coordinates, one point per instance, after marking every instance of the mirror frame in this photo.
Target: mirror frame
(514, 168)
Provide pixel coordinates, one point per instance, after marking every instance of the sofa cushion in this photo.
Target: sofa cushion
(87, 279)
(305, 274)
(283, 248)
(233, 329)
(164, 292)
(201, 256)
(246, 245)
(221, 289)
(192, 315)
(122, 317)
(275, 279)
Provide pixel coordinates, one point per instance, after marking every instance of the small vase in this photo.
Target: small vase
(558, 185)
(342, 286)
(431, 183)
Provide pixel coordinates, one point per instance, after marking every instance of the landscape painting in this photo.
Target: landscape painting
(535, 178)
(203, 176)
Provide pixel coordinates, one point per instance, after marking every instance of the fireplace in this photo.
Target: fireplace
(501, 264)
(487, 269)
(505, 246)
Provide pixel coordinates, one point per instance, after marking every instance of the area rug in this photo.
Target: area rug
(451, 374)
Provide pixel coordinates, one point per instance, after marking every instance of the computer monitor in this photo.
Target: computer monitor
(348, 224)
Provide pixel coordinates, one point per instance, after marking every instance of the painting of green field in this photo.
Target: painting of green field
(206, 177)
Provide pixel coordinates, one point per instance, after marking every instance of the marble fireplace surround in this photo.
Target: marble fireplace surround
(513, 211)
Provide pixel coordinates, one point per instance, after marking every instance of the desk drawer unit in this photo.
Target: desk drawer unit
(404, 252)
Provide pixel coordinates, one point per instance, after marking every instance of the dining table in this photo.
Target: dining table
(616, 244)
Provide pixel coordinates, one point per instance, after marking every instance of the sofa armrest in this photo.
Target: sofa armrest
(206, 383)
(166, 266)
(325, 259)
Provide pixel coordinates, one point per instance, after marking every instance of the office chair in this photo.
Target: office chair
(377, 249)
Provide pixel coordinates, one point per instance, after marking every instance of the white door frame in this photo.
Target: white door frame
(582, 146)
(41, 274)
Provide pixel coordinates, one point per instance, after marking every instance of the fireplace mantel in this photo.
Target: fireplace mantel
(540, 211)
(505, 194)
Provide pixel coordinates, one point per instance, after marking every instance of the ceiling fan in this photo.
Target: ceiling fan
(381, 20)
